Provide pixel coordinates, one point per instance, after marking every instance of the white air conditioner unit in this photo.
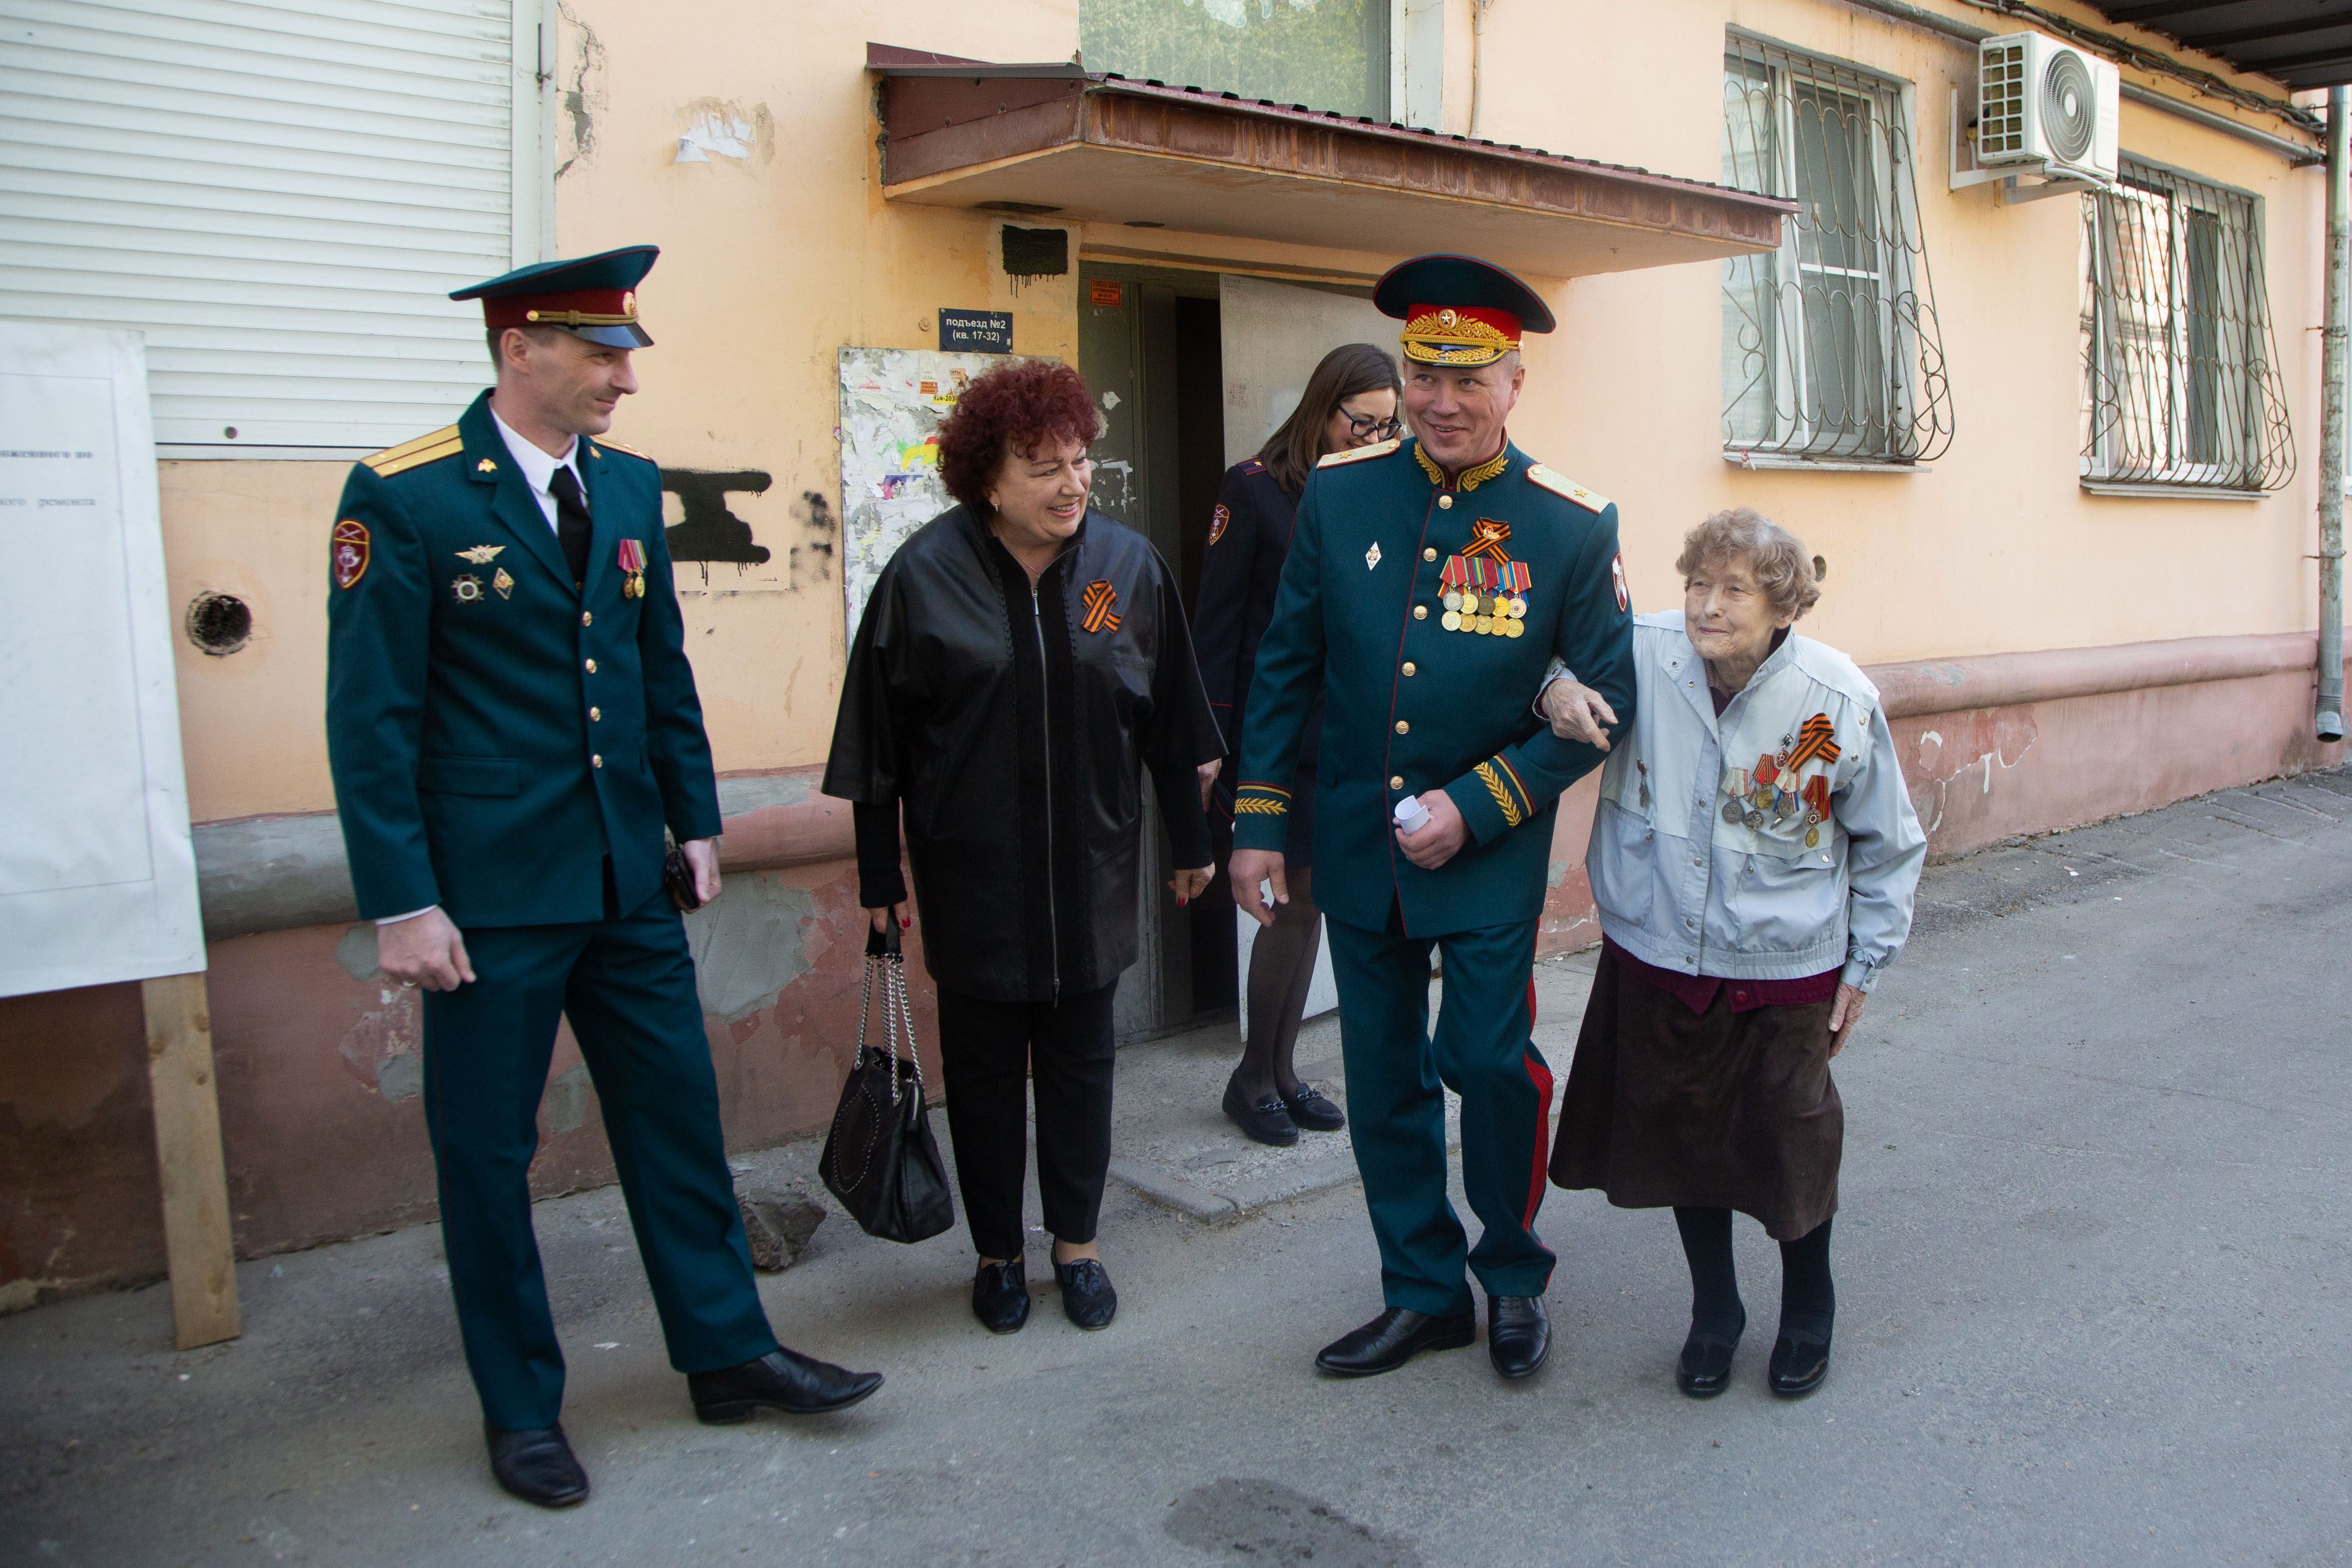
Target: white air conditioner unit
(2042, 104)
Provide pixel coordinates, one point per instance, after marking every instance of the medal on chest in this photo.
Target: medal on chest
(1485, 591)
(631, 559)
(1786, 783)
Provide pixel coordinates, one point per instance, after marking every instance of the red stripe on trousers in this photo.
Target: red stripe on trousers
(1540, 1076)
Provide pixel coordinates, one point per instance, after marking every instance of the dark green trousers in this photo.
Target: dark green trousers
(1483, 1050)
(628, 986)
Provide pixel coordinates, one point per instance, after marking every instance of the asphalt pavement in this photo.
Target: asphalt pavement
(2092, 1264)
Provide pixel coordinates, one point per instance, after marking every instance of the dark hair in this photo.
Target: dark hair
(1014, 408)
(1291, 452)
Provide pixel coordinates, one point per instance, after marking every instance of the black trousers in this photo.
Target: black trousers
(992, 1051)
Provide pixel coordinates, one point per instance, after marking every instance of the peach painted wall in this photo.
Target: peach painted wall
(774, 262)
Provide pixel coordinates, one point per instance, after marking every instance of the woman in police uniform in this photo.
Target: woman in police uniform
(1350, 401)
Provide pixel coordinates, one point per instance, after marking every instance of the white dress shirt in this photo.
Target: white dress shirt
(539, 468)
(538, 471)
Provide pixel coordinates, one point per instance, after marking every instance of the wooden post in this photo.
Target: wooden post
(196, 1241)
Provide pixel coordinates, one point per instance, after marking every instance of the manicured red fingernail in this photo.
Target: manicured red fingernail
(906, 922)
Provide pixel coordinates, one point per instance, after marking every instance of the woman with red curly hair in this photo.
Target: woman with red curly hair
(1022, 663)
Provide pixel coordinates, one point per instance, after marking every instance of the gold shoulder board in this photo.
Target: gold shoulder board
(443, 442)
(1359, 454)
(608, 440)
(1559, 484)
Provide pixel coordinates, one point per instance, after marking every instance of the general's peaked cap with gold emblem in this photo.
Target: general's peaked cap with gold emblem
(1459, 310)
(591, 297)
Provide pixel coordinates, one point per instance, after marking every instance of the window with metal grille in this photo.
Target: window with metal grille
(1830, 351)
(2181, 382)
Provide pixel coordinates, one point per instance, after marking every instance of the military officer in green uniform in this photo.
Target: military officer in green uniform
(512, 722)
(1431, 581)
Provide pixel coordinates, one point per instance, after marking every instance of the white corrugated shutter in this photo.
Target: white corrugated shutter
(278, 195)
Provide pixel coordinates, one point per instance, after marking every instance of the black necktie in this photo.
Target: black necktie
(571, 522)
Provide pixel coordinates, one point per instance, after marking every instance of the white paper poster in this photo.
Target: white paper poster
(893, 402)
(98, 878)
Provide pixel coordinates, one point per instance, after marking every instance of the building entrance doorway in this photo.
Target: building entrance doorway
(1193, 369)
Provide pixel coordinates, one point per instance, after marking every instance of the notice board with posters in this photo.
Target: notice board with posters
(98, 875)
(893, 402)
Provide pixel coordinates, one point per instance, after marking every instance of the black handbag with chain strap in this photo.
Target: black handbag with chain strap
(880, 1159)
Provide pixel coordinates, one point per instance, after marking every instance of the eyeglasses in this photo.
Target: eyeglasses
(1365, 425)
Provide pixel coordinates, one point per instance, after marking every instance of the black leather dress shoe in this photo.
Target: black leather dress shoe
(1704, 1369)
(1313, 1112)
(781, 1380)
(536, 1466)
(1086, 1295)
(1801, 1361)
(1393, 1338)
(1262, 1119)
(1518, 1334)
(1000, 1296)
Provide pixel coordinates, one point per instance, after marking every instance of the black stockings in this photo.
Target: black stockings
(1808, 1299)
(1281, 968)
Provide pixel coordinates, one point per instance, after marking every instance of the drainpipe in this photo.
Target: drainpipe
(2331, 437)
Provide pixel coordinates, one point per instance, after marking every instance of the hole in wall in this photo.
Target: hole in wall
(1821, 566)
(219, 623)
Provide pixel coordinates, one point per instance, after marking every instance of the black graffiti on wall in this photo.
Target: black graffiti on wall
(708, 531)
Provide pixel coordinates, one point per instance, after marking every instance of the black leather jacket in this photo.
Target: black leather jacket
(1014, 726)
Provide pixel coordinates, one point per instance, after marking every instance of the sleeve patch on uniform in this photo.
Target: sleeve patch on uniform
(349, 552)
(1217, 521)
(1617, 577)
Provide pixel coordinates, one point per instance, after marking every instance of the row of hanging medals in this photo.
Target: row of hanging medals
(1752, 794)
(1483, 589)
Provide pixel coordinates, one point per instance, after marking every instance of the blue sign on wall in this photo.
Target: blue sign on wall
(976, 331)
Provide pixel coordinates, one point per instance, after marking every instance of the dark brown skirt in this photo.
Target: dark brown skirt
(1719, 1110)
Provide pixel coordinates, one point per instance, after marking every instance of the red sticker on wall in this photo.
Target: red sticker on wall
(1108, 292)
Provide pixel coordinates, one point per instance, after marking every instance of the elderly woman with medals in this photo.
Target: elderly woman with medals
(1754, 859)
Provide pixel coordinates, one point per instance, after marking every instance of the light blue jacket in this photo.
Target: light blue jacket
(1680, 886)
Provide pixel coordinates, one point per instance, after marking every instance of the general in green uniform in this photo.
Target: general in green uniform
(512, 724)
(1425, 595)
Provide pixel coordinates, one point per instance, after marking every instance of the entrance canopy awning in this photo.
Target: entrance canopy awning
(1059, 140)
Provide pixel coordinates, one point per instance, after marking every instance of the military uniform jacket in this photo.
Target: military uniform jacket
(1249, 538)
(1410, 707)
(496, 733)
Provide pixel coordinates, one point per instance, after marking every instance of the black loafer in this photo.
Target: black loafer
(1312, 1112)
(1000, 1296)
(1393, 1338)
(781, 1380)
(1518, 1334)
(1262, 1119)
(1704, 1369)
(1801, 1361)
(536, 1466)
(1086, 1297)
